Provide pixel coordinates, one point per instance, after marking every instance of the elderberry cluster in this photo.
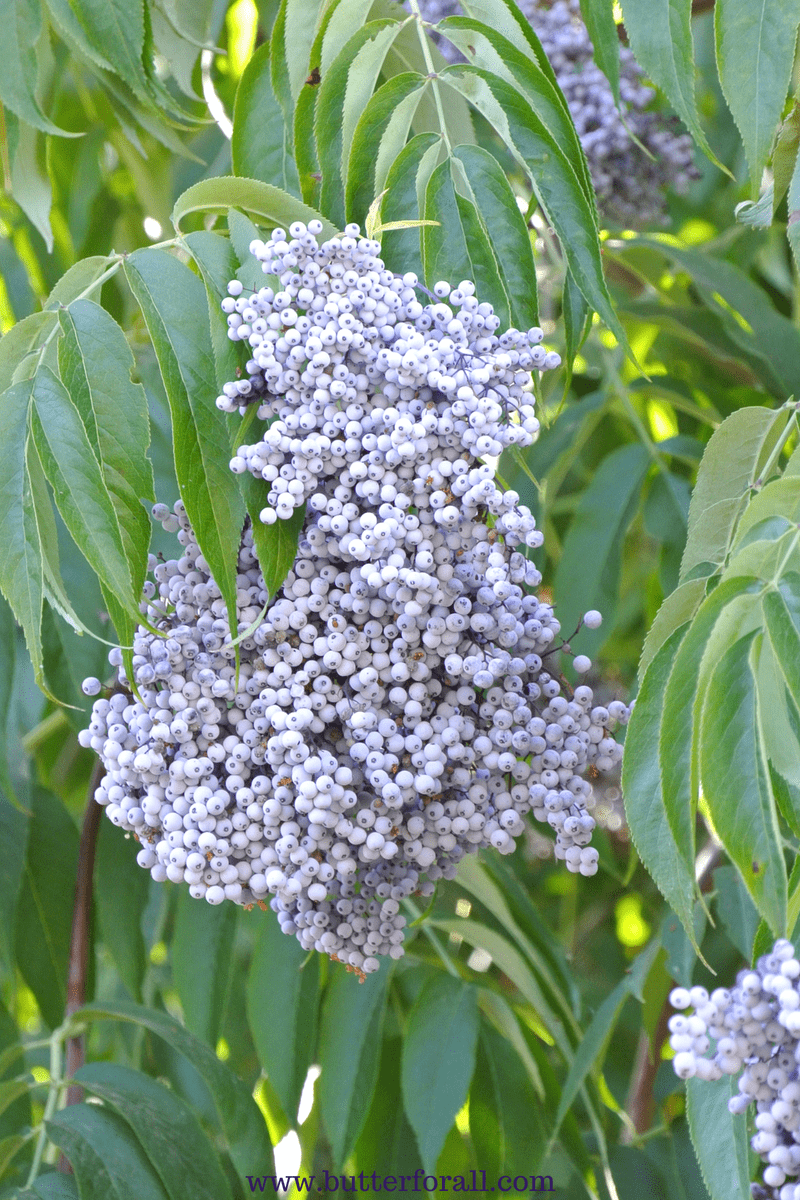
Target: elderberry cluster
(393, 709)
(756, 1029)
(630, 186)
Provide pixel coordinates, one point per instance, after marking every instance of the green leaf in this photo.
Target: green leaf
(736, 782)
(728, 468)
(202, 946)
(678, 608)
(238, 1114)
(683, 697)
(755, 51)
(271, 205)
(258, 144)
(21, 570)
(736, 909)
(642, 788)
(108, 1160)
(13, 846)
(116, 30)
(169, 1132)
(173, 302)
(71, 30)
(349, 1054)
(193, 21)
(576, 315)
(458, 245)
(438, 1060)
(552, 175)
(782, 615)
(44, 910)
(218, 264)
(341, 98)
(598, 17)
(20, 347)
(504, 1111)
(30, 182)
(121, 891)
(503, 224)
(719, 1138)
(587, 575)
(79, 279)
(54, 1186)
(282, 1002)
(378, 138)
(408, 176)
(81, 492)
(21, 21)
(387, 1143)
(276, 544)
(300, 29)
(793, 205)
(660, 33)
(95, 364)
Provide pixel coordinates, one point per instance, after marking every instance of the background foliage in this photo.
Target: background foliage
(143, 146)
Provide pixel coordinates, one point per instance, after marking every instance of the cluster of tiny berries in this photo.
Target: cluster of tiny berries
(756, 1030)
(393, 709)
(630, 186)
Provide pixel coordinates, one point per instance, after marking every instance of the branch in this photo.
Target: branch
(81, 926)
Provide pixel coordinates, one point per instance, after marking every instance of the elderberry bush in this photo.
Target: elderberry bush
(630, 186)
(756, 1029)
(394, 709)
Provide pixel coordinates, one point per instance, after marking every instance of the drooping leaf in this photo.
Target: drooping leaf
(282, 1002)
(782, 615)
(174, 305)
(107, 1158)
(202, 945)
(168, 1131)
(736, 782)
(642, 788)
(504, 1111)
(438, 1060)
(387, 1142)
(95, 364)
(755, 51)
(408, 176)
(349, 1054)
(30, 182)
(44, 909)
(660, 33)
(116, 30)
(121, 891)
(21, 22)
(276, 544)
(378, 138)
(719, 1138)
(237, 1112)
(738, 913)
(598, 16)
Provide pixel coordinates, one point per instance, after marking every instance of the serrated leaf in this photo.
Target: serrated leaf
(598, 17)
(202, 945)
(553, 177)
(80, 491)
(782, 615)
(215, 257)
(727, 470)
(108, 1160)
(71, 30)
(642, 789)
(168, 1131)
(301, 21)
(438, 1060)
(349, 1053)
(238, 1114)
(44, 911)
(258, 144)
(20, 348)
(276, 544)
(192, 21)
(679, 736)
(30, 182)
(341, 98)
(174, 306)
(121, 892)
(271, 205)
(116, 30)
(21, 21)
(79, 279)
(660, 33)
(736, 782)
(678, 608)
(378, 138)
(95, 364)
(755, 50)
(282, 1002)
(738, 913)
(719, 1138)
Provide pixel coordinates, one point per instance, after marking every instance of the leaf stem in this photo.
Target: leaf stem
(56, 1080)
(433, 938)
(434, 78)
